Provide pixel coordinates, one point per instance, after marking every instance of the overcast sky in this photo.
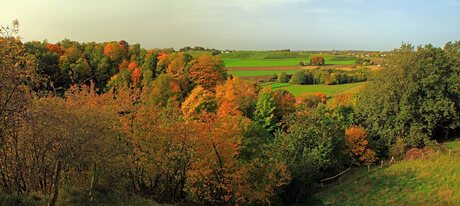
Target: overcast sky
(240, 24)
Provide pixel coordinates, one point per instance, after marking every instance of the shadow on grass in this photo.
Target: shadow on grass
(376, 188)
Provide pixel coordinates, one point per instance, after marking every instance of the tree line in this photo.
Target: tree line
(322, 76)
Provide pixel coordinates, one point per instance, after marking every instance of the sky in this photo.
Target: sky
(240, 24)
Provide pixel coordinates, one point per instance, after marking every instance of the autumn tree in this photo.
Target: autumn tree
(162, 63)
(199, 100)
(207, 71)
(236, 96)
(317, 61)
(357, 143)
(285, 103)
(114, 51)
(163, 89)
(17, 76)
(178, 64)
(311, 100)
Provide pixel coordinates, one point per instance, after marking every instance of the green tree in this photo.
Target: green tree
(416, 97)
(313, 146)
(299, 78)
(283, 77)
(264, 115)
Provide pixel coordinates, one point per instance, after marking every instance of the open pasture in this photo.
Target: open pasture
(329, 90)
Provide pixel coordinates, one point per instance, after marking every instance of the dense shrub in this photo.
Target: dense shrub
(283, 77)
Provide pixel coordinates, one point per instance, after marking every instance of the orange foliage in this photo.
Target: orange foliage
(162, 57)
(113, 51)
(208, 71)
(214, 176)
(341, 100)
(355, 138)
(136, 76)
(311, 99)
(132, 66)
(55, 48)
(235, 97)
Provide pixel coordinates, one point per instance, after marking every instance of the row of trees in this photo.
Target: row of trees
(69, 62)
(322, 76)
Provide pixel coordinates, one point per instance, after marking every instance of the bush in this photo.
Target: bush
(317, 61)
(398, 149)
(298, 78)
(283, 78)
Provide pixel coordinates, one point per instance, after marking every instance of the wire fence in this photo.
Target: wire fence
(411, 156)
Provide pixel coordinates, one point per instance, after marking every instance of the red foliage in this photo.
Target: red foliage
(132, 66)
(136, 76)
(162, 56)
(55, 48)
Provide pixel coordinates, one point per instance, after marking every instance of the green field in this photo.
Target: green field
(277, 62)
(433, 181)
(254, 73)
(267, 58)
(329, 90)
(261, 62)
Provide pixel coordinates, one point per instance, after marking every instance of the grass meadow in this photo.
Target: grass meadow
(253, 73)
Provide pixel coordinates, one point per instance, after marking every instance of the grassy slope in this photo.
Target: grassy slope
(434, 181)
(329, 90)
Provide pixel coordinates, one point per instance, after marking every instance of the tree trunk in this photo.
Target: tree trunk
(446, 133)
(57, 178)
(91, 186)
